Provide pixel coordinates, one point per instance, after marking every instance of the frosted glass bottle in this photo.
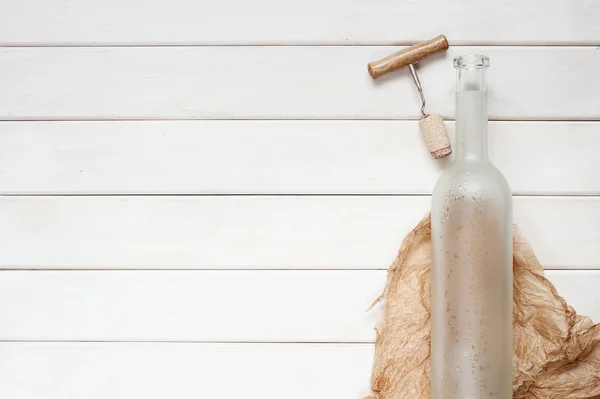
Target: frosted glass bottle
(471, 236)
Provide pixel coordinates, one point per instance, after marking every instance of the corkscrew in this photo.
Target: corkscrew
(432, 126)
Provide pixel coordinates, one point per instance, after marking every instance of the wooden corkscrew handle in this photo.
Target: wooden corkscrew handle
(409, 55)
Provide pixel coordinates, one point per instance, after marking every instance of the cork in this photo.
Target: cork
(435, 136)
(409, 55)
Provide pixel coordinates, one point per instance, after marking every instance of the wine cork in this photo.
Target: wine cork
(435, 136)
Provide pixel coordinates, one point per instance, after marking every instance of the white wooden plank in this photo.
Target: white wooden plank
(281, 157)
(269, 306)
(254, 306)
(264, 232)
(579, 289)
(283, 83)
(184, 371)
(87, 22)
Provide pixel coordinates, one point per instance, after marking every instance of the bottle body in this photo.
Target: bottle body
(471, 286)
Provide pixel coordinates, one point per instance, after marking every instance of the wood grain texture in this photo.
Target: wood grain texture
(262, 232)
(125, 61)
(87, 22)
(283, 83)
(279, 157)
(184, 371)
(240, 306)
(406, 56)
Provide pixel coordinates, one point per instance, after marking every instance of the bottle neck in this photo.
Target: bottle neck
(471, 113)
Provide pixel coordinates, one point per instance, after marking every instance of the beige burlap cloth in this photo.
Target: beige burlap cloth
(556, 351)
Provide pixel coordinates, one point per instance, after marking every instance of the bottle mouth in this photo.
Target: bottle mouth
(471, 61)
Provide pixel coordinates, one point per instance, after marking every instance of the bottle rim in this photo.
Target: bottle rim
(471, 61)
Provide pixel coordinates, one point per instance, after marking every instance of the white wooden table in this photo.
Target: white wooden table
(199, 199)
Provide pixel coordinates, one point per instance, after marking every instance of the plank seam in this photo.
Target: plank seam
(236, 270)
(426, 195)
(300, 44)
(282, 119)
